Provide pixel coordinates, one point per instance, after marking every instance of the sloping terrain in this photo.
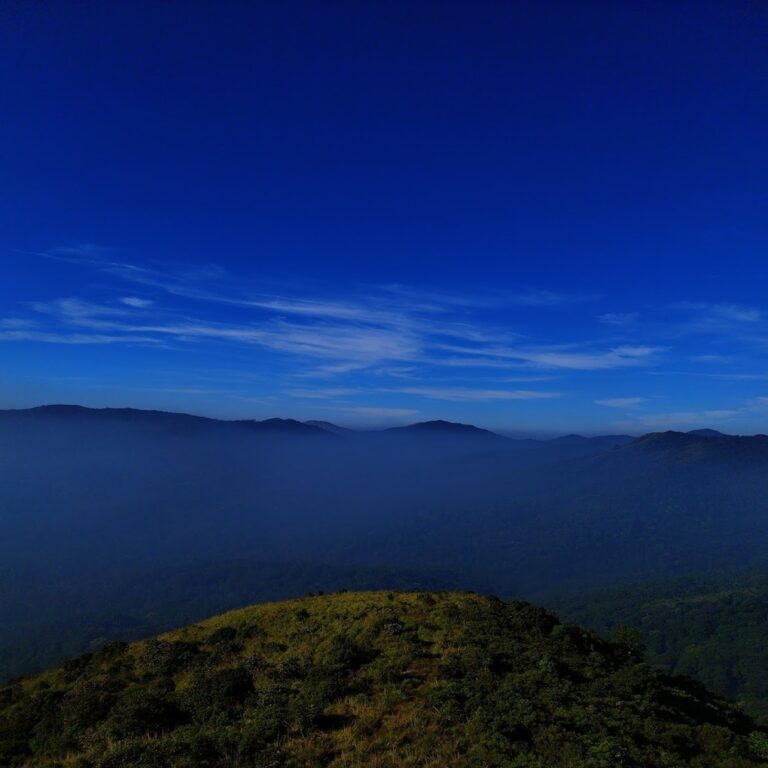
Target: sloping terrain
(371, 680)
(712, 627)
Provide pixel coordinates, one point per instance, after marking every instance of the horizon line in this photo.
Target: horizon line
(503, 432)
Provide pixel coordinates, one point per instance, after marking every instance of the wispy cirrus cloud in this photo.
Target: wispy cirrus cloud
(74, 311)
(716, 318)
(471, 394)
(361, 345)
(48, 337)
(736, 313)
(544, 298)
(16, 323)
(380, 413)
(322, 393)
(136, 302)
(529, 297)
(557, 357)
(621, 319)
(346, 335)
(737, 376)
(616, 357)
(622, 402)
(377, 340)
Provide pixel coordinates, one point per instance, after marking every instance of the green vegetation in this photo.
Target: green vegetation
(44, 624)
(372, 680)
(713, 628)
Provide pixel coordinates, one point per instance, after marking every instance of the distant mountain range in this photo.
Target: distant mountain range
(439, 427)
(169, 418)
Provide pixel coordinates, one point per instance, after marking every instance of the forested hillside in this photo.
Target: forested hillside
(372, 680)
(713, 628)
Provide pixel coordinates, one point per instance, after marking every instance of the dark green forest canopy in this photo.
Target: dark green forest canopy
(372, 679)
(713, 628)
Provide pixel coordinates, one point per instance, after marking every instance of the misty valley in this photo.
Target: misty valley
(120, 524)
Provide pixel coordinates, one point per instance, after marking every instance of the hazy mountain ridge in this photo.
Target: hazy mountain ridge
(137, 415)
(696, 446)
(157, 418)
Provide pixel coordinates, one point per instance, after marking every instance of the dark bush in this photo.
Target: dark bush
(216, 694)
(167, 658)
(88, 702)
(145, 710)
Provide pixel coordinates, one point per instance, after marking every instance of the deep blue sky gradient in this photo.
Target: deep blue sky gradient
(541, 217)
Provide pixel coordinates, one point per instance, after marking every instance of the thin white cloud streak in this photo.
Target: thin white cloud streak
(544, 298)
(735, 376)
(735, 313)
(468, 394)
(136, 302)
(618, 318)
(382, 413)
(621, 402)
(328, 393)
(710, 358)
(532, 297)
(77, 311)
(76, 338)
(330, 371)
(717, 319)
(182, 283)
(616, 357)
(16, 323)
(316, 309)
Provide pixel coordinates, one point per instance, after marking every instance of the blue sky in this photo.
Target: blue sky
(538, 217)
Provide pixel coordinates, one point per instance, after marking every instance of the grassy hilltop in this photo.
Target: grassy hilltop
(371, 680)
